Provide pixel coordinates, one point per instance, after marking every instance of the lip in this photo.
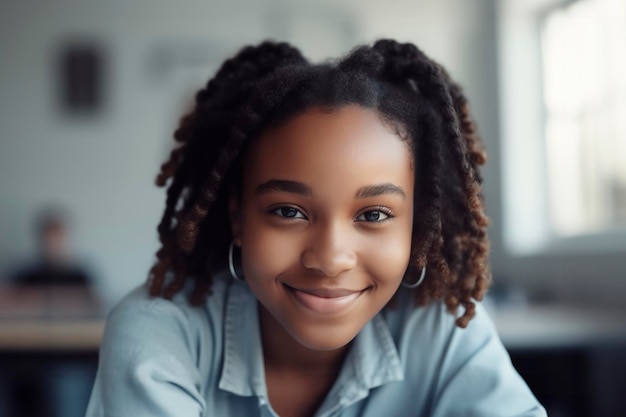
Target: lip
(325, 300)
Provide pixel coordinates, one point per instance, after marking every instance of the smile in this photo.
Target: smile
(323, 301)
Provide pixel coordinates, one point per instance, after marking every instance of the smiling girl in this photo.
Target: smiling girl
(323, 249)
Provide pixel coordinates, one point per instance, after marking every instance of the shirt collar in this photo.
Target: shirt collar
(242, 373)
(373, 359)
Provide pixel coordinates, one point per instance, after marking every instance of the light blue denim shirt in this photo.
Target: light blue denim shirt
(167, 358)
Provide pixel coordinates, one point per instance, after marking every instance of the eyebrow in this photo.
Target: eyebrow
(296, 187)
(380, 189)
(286, 186)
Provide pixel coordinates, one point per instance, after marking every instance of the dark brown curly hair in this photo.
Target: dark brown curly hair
(265, 85)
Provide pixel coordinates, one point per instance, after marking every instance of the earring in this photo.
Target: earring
(231, 264)
(415, 284)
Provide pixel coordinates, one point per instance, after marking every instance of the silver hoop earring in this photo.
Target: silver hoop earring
(231, 264)
(415, 284)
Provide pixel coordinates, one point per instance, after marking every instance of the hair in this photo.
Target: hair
(263, 86)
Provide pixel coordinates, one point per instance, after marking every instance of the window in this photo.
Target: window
(584, 74)
(563, 96)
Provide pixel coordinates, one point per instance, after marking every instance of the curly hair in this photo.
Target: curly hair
(263, 86)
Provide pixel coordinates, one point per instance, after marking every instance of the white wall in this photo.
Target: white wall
(102, 170)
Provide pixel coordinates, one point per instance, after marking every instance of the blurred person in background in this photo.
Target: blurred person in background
(54, 287)
(55, 266)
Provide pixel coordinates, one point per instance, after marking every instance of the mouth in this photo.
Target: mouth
(324, 301)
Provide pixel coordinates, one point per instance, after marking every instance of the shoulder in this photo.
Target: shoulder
(434, 325)
(144, 332)
(144, 320)
(157, 355)
(464, 370)
(431, 330)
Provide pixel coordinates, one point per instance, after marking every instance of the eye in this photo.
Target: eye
(287, 212)
(374, 216)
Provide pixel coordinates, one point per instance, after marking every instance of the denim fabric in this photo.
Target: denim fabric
(167, 358)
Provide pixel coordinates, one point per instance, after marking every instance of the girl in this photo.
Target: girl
(323, 245)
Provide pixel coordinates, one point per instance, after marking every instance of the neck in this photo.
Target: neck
(282, 352)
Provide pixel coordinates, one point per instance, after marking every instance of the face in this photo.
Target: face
(324, 222)
(53, 241)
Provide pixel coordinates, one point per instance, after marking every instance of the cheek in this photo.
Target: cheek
(266, 252)
(387, 257)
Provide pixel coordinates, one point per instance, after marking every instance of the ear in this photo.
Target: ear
(234, 214)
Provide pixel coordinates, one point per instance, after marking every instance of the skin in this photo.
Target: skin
(54, 245)
(325, 211)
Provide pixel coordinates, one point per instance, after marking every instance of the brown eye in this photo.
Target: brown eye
(288, 212)
(373, 216)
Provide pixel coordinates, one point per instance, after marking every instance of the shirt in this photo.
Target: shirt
(168, 358)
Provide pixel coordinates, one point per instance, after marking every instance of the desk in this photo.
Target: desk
(51, 335)
(558, 326)
(49, 341)
(49, 318)
(573, 358)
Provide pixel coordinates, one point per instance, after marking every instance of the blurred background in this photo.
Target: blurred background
(90, 93)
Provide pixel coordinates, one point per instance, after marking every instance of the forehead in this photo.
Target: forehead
(320, 146)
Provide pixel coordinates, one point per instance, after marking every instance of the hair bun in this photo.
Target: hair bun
(250, 64)
(391, 48)
(257, 60)
(400, 58)
(363, 59)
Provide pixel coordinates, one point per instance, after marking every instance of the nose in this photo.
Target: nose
(330, 251)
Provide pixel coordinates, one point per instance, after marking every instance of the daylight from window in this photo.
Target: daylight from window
(584, 80)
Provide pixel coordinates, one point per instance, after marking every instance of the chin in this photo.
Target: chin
(324, 339)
